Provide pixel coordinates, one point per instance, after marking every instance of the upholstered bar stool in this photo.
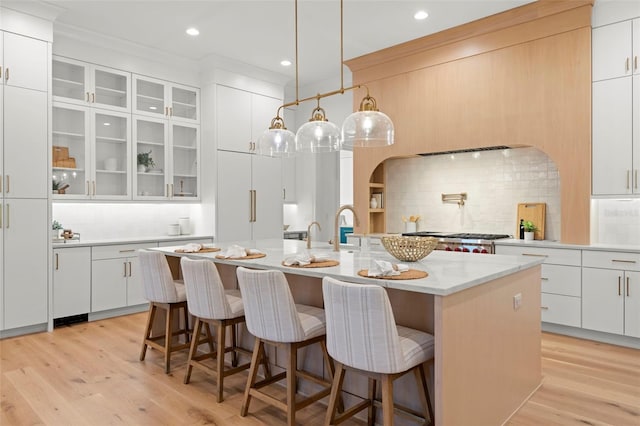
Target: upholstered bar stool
(211, 304)
(164, 293)
(274, 318)
(362, 336)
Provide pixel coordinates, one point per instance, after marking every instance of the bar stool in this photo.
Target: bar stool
(164, 293)
(211, 304)
(362, 336)
(274, 318)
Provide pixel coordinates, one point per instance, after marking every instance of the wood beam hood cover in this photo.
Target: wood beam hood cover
(518, 78)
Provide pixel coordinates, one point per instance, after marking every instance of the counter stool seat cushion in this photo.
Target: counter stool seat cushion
(417, 346)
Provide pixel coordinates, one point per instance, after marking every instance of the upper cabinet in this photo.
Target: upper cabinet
(242, 117)
(86, 84)
(23, 62)
(163, 99)
(616, 50)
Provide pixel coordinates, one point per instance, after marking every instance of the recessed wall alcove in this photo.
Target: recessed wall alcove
(519, 78)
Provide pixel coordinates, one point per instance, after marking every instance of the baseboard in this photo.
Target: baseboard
(96, 316)
(598, 336)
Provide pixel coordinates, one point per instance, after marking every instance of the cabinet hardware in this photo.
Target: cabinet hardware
(626, 65)
(249, 146)
(284, 193)
(1, 181)
(8, 185)
(255, 202)
(93, 98)
(57, 262)
(544, 308)
(0, 72)
(125, 268)
(619, 278)
(628, 293)
(129, 268)
(171, 190)
(166, 111)
(87, 96)
(6, 74)
(1, 215)
(8, 216)
(628, 178)
(94, 187)
(623, 261)
(635, 62)
(127, 251)
(170, 111)
(544, 279)
(88, 193)
(636, 179)
(535, 255)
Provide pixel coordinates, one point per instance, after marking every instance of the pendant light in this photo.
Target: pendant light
(367, 127)
(318, 134)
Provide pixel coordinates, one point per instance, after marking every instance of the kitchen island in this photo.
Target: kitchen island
(483, 310)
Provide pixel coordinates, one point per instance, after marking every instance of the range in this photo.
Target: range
(464, 242)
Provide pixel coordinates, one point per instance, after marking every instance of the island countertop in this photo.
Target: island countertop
(448, 272)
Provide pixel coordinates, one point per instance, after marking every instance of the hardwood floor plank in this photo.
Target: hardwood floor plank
(90, 374)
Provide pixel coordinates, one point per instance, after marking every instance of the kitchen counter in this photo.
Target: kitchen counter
(632, 248)
(483, 310)
(131, 240)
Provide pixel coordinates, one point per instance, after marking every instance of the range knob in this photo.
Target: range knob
(447, 248)
(484, 251)
(466, 250)
(476, 250)
(458, 249)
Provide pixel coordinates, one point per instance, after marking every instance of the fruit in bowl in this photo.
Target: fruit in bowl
(409, 249)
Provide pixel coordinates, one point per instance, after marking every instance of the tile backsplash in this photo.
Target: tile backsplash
(495, 182)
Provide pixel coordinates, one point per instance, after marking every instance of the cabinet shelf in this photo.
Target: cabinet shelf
(186, 148)
(149, 98)
(65, 83)
(110, 140)
(376, 210)
(376, 185)
(112, 92)
(184, 104)
(68, 134)
(185, 175)
(112, 172)
(150, 143)
(69, 169)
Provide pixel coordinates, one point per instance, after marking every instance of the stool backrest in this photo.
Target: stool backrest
(361, 328)
(157, 281)
(205, 292)
(269, 309)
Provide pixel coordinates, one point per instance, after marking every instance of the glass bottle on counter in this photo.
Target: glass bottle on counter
(522, 229)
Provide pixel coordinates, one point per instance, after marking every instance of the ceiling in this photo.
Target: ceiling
(262, 33)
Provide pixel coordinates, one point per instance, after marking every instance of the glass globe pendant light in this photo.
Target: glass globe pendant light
(367, 127)
(277, 141)
(318, 134)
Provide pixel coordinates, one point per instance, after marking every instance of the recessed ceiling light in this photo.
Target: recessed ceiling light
(193, 31)
(285, 63)
(420, 15)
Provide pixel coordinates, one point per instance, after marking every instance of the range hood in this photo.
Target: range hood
(458, 151)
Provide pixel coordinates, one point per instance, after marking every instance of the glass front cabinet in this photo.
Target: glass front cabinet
(162, 99)
(91, 153)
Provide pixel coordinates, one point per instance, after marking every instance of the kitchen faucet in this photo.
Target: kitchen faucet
(336, 235)
(309, 232)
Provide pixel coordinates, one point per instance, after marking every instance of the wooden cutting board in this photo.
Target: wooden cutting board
(536, 213)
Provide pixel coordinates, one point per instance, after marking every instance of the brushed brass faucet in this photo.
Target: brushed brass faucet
(336, 234)
(309, 232)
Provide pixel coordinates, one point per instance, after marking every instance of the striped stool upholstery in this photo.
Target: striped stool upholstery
(362, 336)
(274, 318)
(211, 304)
(162, 292)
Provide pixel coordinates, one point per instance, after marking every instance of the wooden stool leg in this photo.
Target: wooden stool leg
(330, 371)
(371, 412)
(197, 326)
(168, 338)
(292, 368)
(387, 400)
(336, 389)
(253, 372)
(147, 332)
(424, 391)
(185, 310)
(209, 338)
(220, 329)
(234, 345)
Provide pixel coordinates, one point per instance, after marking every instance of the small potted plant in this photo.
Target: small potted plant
(145, 162)
(56, 230)
(529, 230)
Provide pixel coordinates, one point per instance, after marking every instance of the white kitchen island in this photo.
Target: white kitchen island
(484, 311)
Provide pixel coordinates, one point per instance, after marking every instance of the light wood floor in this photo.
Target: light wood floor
(89, 374)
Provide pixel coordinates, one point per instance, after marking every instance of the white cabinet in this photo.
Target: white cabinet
(71, 281)
(163, 99)
(611, 292)
(242, 117)
(289, 180)
(25, 230)
(97, 147)
(560, 282)
(91, 85)
(23, 62)
(115, 278)
(613, 52)
(249, 198)
(175, 150)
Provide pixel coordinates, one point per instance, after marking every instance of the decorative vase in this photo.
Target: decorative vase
(410, 227)
(142, 168)
(528, 235)
(373, 203)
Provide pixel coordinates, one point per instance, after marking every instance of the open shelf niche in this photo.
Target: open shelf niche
(377, 216)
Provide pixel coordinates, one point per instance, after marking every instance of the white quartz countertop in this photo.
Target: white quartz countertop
(132, 240)
(449, 272)
(632, 248)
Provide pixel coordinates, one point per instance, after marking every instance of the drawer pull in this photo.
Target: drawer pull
(544, 308)
(544, 278)
(619, 278)
(125, 269)
(536, 255)
(127, 251)
(623, 261)
(57, 262)
(628, 293)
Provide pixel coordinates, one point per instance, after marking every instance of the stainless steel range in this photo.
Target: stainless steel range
(464, 242)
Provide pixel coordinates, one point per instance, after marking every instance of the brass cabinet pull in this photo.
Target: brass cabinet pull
(284, 193)
(544, 308)
(628, 178)
(8, 185)
(94, 187)
(536, 255)
(170, 111)
(626, 65)
(628, 293)
(0, 72)
(129, 268)
(88, 193)
(1, 215)
(171, 190)
(619, 278)
(93, 98)
(125, 268)
(6, 74)
(57, 261)
(635, 179)
(635, 62)
(8, 216)
(127, 251)
(544, 279)
(623, 261)
(88, 94)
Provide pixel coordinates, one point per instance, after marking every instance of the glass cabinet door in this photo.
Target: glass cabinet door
(70, 174)
(70, 82)
(185, 161)
(184, 103)
(111, 155)
(111, 89)
(149, 97)
(150, 141)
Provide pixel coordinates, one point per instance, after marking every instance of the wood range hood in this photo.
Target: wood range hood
(521, 77)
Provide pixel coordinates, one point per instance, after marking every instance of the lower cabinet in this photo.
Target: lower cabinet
(71, 281)
(115, 281)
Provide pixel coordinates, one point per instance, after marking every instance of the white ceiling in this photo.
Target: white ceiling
(261, 33)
